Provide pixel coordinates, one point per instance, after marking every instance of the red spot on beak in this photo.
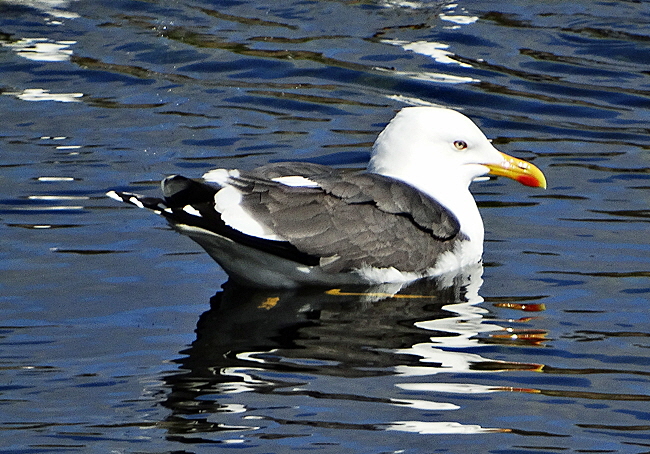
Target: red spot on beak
(528, 180)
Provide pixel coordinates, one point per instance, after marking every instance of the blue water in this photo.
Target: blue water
(116, 334)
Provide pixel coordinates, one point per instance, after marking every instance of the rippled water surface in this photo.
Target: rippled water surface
(116, 333)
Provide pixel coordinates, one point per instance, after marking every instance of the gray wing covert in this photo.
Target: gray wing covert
(351, 219)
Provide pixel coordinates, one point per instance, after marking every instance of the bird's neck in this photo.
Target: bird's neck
(459, 200)
(452, 191)
(453, 195)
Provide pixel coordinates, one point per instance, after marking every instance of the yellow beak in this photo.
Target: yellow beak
(519, 170)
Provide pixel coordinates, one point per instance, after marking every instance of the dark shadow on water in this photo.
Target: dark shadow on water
(274, 364)
(279, 343)
(242, 320)
(309, 363)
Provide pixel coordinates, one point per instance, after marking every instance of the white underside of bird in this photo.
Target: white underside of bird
(410, 215)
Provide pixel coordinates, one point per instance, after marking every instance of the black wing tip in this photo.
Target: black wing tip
(180, 191)
(138, 200)
(124, 197)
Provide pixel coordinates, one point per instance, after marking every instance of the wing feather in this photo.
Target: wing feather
(351, 219)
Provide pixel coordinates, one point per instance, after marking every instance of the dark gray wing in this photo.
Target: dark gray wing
(181, 192)
(352, 219)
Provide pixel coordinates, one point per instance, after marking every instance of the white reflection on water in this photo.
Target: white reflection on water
(55, 8)
(54, 179)
(39, 94)
(430, 77)
(439, 428)
(457, 332)
(424, 404)
(461, 388)
(460, 331)
(437, 51)
(403, 4)
(41, 49)
(457, 19)
(58, 197)
(412, 101)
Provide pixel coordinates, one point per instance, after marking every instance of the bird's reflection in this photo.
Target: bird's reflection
(272, 342)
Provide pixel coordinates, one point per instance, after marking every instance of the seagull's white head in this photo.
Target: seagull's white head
(439, 147)
(440, 152)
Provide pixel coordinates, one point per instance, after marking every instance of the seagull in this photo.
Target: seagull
(409, 215)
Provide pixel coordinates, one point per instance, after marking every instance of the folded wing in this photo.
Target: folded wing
(349, 219)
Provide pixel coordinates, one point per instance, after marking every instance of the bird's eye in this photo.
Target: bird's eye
(460, 144)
